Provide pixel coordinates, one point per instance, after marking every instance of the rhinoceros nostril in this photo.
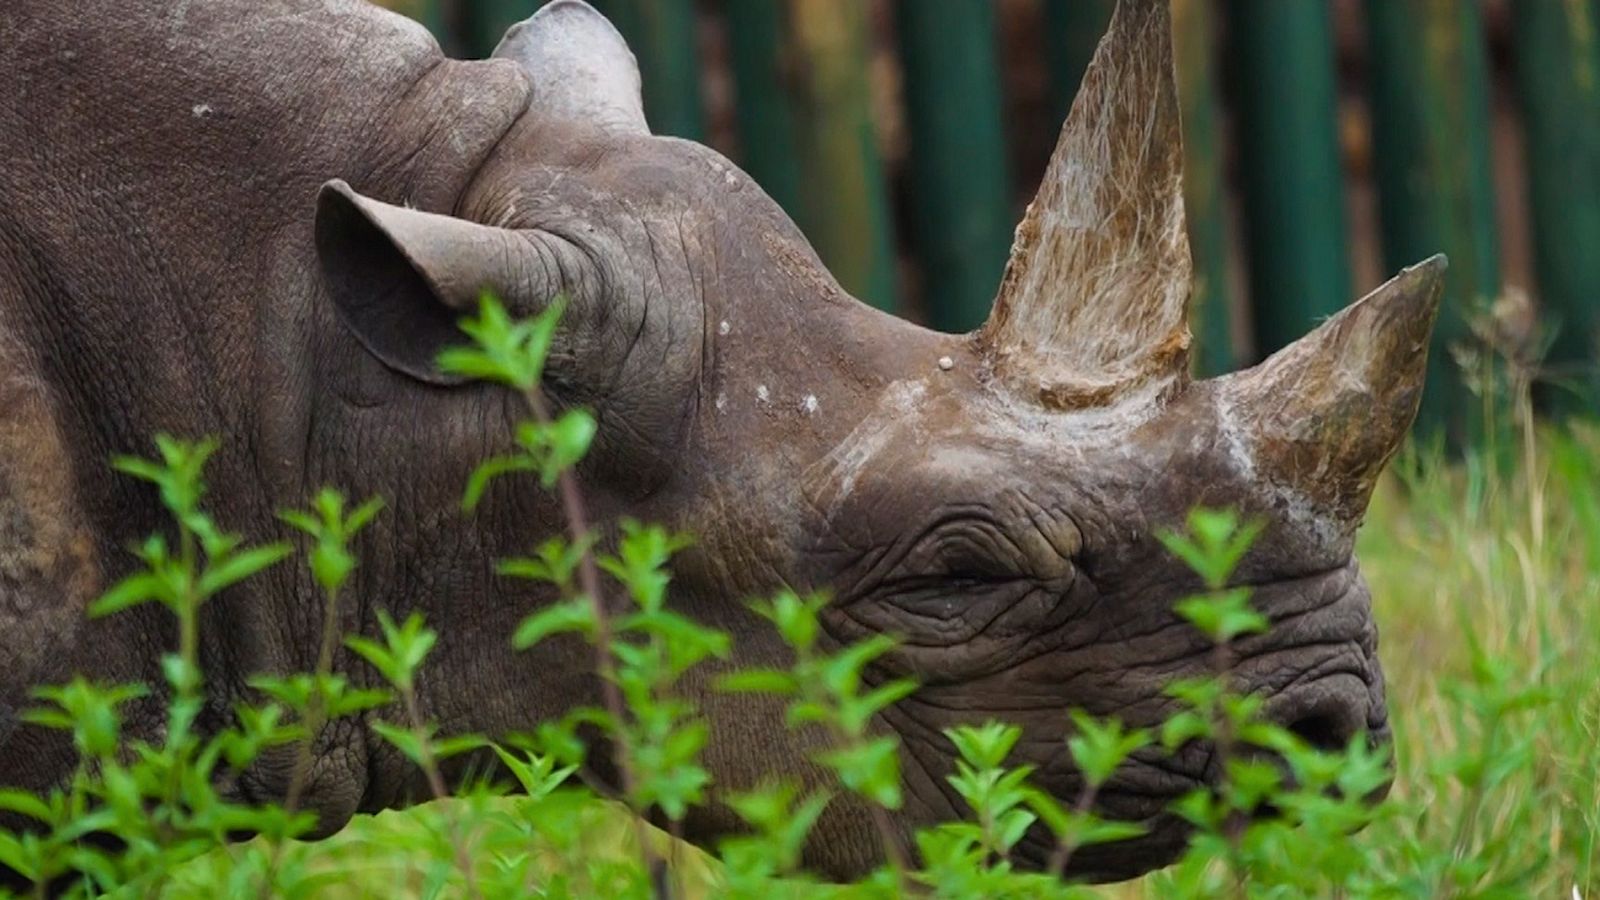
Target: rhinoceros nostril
(1328, 713)
(1323, 731)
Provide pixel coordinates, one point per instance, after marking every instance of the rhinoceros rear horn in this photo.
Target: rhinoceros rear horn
(1091, 310)
(582, 69)
(401, 279)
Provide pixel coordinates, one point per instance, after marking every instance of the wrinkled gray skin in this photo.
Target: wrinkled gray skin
(171, 261)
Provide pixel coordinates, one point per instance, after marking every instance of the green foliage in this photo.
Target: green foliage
(1497, 798)
(326, 523)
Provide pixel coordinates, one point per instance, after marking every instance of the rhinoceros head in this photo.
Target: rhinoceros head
(993, 499)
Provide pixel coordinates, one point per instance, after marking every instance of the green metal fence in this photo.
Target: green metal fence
(1267, 177)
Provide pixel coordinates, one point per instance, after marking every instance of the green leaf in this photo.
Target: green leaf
(1101, 831)
(554, 561)
(137, 588)
(363, 515)
(1099, 747)
(985, 746)
(857, 712)
(566, 616)
(239, 566)
(1012, 825)
(841, 674)
(24, 803)
(469, 362)
(1222, 616)
(871, 769)
(140, 468)
(378, 656)
(510, 353)
(758, 681)
(567, 440)
(537, 774)
(795, 618)
(489, 470)
(14, 855)
(1182, 728)
(408, 742)
(457, 744)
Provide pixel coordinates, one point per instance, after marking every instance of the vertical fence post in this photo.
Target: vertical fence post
(437, 15)
(803, 100)
(960, 191)
(1210, 312)
(1072, 30)
(1435, 185)
(483, 23)
(843, 206)
(1558, 79)
(763, 109)
(662, 36)
(1283, 81)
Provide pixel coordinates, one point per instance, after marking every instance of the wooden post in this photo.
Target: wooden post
(484, 22)
(763, 102)
(662, 35)
(847, 209)
(1557, 47)
(1073, 29)
(1210, 308)
(437, 15)
(960, 191)
(1283, 81)
(1435, 183)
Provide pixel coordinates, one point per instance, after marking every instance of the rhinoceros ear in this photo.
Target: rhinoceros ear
(582, 69)
(402, 278)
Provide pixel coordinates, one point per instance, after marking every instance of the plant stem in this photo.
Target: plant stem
(315, 714)
(1069, 846)
(430, 766)
(893, 850)
(577, 518)
(314, 722)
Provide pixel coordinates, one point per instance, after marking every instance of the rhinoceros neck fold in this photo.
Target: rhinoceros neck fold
(157, 200)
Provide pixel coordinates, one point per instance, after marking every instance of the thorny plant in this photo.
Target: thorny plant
(150, 814)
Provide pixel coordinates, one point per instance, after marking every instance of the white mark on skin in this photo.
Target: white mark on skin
(1235, 438)
(202, 110)
(946, 363)
(809, 405)
(730, 179)
(180, 18)
(722, 402)
(762, 394)
(842, 467)
(724, 327)
(505, 218)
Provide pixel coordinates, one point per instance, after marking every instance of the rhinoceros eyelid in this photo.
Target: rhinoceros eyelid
(946, 600)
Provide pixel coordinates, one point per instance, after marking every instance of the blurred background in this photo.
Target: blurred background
(1329, 143)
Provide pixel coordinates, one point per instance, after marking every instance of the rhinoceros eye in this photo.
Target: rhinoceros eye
(966, 569)
(953, 598)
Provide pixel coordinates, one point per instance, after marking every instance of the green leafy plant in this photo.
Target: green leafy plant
(1496, 747)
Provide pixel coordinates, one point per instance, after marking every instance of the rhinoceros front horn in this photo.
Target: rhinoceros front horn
(1323, 415)
(1091, 310)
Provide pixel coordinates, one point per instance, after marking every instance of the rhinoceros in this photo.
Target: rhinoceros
(263, 219)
